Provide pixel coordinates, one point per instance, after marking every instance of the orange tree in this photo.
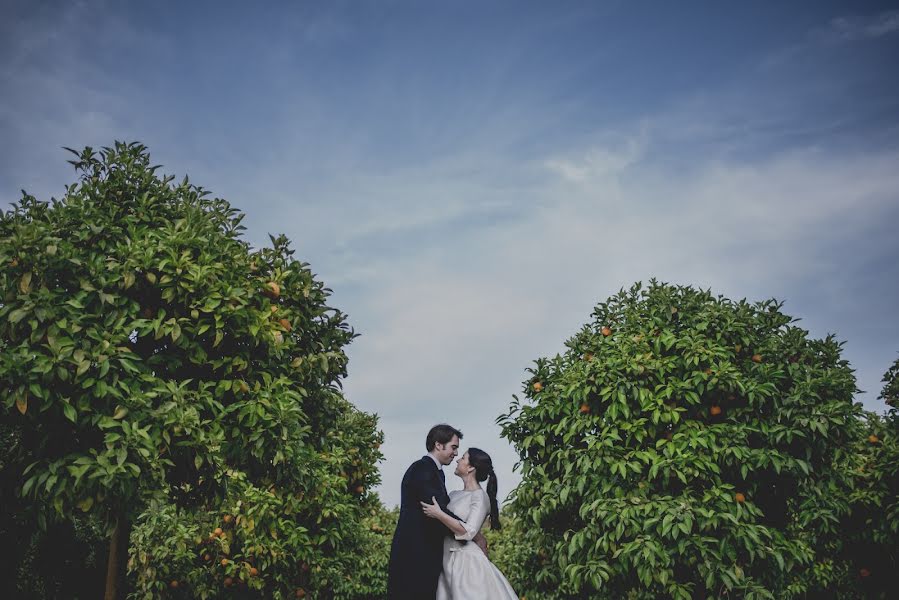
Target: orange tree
(685, 446)
(181, 387)
(867, 548)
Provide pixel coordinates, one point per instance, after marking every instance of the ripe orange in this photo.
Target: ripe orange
(873, 439)
(606, 331)
(224, 562)
(273, 290)
(538, 386)
(274, 308)
(740, 498)
(173, 584)
(207, 557)
(300, 593)
(226, 518)
(715, 411)
(585, 408)
(359, 489)
(588, 357)
(14, 263)
(285, 324)
(756, 358)
(218, 531)
(228, 581)
(864, 572)
(254, 571)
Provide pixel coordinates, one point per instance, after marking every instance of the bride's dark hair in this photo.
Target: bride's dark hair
(483, 469)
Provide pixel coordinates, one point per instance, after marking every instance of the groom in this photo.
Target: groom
(416, 555)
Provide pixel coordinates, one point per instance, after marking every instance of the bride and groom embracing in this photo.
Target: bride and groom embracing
(438, 550)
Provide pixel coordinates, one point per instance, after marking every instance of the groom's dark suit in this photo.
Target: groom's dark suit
(416, 555)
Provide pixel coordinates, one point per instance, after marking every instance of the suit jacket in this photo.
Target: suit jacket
(416, 554)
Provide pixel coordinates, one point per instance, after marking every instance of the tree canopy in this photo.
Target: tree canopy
(153, 359)
(686, 445)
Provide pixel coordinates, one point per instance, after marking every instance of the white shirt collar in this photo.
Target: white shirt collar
(436, 462)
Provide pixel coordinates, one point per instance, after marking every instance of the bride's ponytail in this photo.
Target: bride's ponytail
(483, 465)
(494, 505)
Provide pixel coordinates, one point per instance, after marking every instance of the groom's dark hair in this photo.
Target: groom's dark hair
(441, 434)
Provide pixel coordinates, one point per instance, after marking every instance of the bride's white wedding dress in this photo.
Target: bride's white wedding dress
(467, 572)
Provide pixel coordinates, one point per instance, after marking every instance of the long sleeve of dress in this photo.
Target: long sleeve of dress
(480, 506)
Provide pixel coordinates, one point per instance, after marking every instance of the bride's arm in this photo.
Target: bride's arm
(435, 512)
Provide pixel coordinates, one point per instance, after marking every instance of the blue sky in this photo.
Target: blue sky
(470, 178)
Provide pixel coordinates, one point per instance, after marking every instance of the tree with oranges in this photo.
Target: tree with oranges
(684, 445)
(180, 387)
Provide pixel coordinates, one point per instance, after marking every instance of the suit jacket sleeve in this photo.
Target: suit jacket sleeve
(428, 485)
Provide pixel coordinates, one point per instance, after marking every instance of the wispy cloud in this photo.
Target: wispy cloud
(851, 28)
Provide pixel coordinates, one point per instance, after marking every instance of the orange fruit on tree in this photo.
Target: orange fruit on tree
(756, 358)
(538, 386)
(588, 357)
(715, 411)
(207, 557)
(359, 489)
(585, 408)
(707, 371)
(226, 518)
(228, 581)
(285, 324)
(274, 308)
(300, 593)
(224, 562)
(272, 290)
(173, 584)
(606, 331)
(218, 531)
(864, 572)
(740, 498)
(254, 571)
(873, 439)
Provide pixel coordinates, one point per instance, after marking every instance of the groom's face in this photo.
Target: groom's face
(447, 452)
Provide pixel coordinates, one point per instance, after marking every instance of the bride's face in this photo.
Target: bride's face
(462, 466)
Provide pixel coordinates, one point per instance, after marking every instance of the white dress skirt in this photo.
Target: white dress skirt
(467, 572)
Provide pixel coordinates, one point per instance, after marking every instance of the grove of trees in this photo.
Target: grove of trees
(174, 426)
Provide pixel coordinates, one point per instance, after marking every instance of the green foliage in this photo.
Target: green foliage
(890, 392)
(162, 372)
(511, 549)
(685, 446)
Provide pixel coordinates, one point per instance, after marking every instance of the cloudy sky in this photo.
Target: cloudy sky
(471, 178)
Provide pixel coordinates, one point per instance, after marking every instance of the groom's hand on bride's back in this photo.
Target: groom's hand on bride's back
(481, 541)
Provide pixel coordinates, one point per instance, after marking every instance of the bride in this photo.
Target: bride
(467, 572)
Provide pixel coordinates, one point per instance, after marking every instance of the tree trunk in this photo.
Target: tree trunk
(118, 549)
